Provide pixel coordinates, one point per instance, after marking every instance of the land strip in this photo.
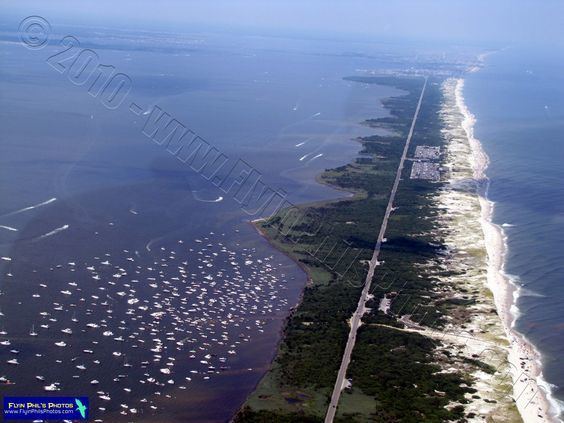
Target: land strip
(359, 312)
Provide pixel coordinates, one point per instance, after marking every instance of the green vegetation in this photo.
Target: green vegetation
(396, 369)
(395, 373)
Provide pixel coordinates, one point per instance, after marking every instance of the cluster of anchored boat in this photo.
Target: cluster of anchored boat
(134, 326)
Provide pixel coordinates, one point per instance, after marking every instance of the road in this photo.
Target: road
(357, 316)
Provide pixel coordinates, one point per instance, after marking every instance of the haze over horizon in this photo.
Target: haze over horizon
(500, 23)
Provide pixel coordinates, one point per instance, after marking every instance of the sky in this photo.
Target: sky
(500, 22)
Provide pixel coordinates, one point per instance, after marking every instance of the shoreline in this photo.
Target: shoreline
(286, 391)
(531, 398)
(254, 223)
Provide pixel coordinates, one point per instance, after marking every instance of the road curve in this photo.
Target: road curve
(357, 316)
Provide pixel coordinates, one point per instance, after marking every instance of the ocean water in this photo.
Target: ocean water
(128, 277)
(518, 101)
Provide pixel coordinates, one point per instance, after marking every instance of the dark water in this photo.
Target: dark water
(518, 100)
(146, 286)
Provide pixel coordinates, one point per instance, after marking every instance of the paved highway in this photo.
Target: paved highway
(357, 316)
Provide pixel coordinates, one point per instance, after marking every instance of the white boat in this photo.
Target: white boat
(5, 381)
(13, 361)
(52, 387)
(61, 344)
(32, 331)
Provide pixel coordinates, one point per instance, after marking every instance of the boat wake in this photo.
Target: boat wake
(196, 196)
(53, 232)
(44, 203)
(8, 228)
